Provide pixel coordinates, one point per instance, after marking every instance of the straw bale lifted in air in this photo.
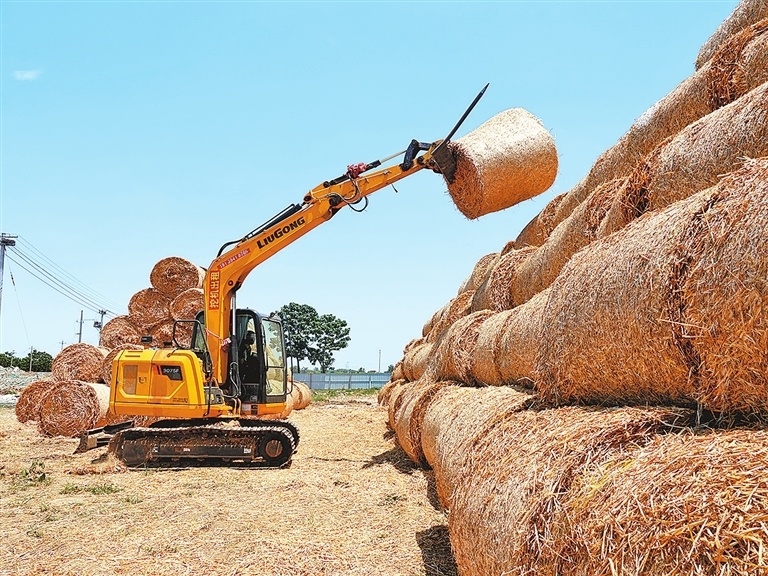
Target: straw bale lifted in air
(79, 361)
(506, 160)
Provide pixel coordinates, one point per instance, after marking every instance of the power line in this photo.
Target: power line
(44, 269)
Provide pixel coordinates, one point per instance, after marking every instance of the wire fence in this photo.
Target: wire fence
(343, 381)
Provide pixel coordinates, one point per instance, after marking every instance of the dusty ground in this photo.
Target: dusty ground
(351, 503)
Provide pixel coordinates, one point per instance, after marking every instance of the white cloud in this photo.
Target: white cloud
(27, 74)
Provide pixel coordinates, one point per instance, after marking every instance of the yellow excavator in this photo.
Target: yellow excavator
(218, 391)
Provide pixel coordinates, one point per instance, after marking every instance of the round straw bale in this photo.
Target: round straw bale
(725, 293)
(304, 395)
(457, 307)
(31, 398)
(187, 304)
(523, 467)
(539, 228)
(608, 330)
(455, 419)
(495, 292)
(173, 275)
(385, 393)
(397, 371)
(72, 407)
(746, 12)
(696, 158)
(697, 506)
(295, 394)
(416, 360)
(410, 416)
(739, 65)
(79, 361)
(483, 367)
(148, 307)
(517, 345)
(396, 398)
(539, 269)
(106, 364)
(506, 160)
(119, 330)
(163, 333)
(452, 355)
(479, 272)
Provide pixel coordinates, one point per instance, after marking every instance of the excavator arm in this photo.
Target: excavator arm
(237, 259)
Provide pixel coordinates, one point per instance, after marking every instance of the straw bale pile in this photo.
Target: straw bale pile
(506, 160)
(746, 13)
(539, 269)
(495, 293)
(409, 418)
(511, 482)
(174, 275)
(71, 407)
(456, 308)
(724, 296)
(187, 304)
(451, 357)
(517, 345)
(148, 307)
(483, 358)
(385, 394)
(698, 506)
(31, 398)
(120, 330)
(416, 360)
(479, 272)
(739, 66)
(453, 421)
(606, 335)
(79, 361)
(671, 309)
(303, 395)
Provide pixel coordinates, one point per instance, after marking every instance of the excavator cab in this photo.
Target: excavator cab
(257, 376)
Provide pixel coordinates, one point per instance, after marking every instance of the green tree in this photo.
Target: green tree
(329, 335)
(7, 359)
(311, 336)
(36, 361)
(298, 320)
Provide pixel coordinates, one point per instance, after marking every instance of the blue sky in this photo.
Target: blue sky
(133, 131)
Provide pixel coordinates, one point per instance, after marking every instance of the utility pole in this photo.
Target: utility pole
(80, 333)
(5, 240)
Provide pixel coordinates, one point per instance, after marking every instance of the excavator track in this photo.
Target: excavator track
(236, 443)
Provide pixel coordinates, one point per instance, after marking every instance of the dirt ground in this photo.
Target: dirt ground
(351, 503)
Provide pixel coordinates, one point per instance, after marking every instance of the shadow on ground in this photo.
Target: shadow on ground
(436, 551)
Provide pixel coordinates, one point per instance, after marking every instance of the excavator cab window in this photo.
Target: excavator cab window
(273, 346)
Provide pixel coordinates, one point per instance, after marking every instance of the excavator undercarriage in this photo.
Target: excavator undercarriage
(237, 442)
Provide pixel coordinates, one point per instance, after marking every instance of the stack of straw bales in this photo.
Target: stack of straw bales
(633, 310)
